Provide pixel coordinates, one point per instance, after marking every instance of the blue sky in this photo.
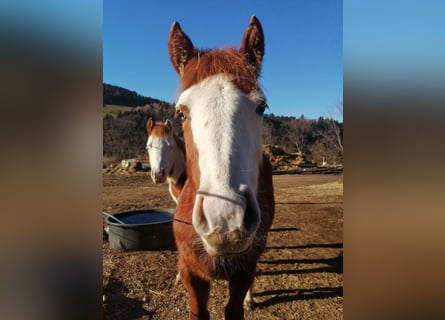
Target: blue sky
(302, 70)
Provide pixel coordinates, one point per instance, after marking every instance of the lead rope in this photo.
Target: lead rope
(182, 221)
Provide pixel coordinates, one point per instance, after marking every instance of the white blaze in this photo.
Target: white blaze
(160, 153)
(227, 132)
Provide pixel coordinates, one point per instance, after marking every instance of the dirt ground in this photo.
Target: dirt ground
(300, 274)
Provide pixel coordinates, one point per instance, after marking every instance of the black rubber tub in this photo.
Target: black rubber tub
(150, 229)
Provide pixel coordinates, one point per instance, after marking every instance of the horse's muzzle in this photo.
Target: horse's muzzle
(158, 176)
(231, 243)
(226, 225)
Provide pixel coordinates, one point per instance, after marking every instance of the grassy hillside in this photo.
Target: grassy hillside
(113, 109)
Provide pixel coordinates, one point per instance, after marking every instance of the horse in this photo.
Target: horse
(166, 153)
(226, 206)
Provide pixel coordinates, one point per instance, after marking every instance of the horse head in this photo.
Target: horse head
(160, 149)
(221, 105)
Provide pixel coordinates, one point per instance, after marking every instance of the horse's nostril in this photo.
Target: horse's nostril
(251, 215)
(251, 218)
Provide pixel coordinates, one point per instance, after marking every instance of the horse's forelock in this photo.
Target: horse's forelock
(220, 61)
(159, 130)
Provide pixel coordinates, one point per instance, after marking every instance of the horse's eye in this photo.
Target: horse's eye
(261, 107)
(181, 115)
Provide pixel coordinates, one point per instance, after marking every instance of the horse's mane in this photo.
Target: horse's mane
(229, 62)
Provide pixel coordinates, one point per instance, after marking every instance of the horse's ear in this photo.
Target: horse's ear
(252, 46)
(168, 126)
(180, 48)
(149, 125)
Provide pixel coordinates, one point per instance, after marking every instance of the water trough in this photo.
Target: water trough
(149, 229)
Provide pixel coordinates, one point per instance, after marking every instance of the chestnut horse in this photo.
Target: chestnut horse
(166, 153)
(226, 207)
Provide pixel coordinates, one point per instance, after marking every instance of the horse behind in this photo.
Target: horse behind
(226, 207)
(166, 153)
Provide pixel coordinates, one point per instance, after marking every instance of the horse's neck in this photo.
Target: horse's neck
(178, 173)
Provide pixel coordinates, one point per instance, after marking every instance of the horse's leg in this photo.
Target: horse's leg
(249, 303)
(198, 290)
(239, 284)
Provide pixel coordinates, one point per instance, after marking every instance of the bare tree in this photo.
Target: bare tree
(337, 128)
(330, 146)
(335, 133)
(300, 128)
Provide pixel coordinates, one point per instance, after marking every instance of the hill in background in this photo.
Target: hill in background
(114, 95)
